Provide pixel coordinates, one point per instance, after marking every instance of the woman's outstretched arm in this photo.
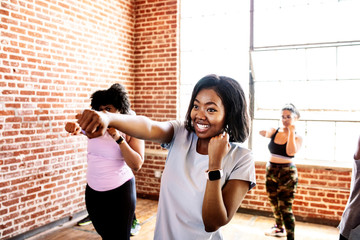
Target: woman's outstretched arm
(95, 124)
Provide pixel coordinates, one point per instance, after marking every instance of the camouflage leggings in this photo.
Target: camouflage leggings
(281, 184)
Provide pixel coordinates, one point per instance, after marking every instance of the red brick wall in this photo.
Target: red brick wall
(156, 78)
(321, 195)
(54, 54)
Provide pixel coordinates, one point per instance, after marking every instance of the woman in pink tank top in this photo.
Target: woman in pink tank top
(110, 194)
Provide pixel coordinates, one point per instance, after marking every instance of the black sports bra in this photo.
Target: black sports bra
(278, 149)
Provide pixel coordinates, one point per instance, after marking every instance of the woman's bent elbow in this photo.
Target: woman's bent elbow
(137, 167)
(212, 222)
(214, 226)
(211, 228)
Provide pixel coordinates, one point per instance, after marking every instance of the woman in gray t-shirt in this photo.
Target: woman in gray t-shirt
(207, 173)
(350, 220)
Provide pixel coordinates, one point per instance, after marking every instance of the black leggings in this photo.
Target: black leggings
(112, 212)
(341, 237)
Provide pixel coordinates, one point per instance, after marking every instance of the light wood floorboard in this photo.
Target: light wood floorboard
(242, 227)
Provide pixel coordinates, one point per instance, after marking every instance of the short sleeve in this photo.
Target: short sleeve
(244, 168)
(176, 125)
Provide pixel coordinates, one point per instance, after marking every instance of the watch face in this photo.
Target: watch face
(214, 175)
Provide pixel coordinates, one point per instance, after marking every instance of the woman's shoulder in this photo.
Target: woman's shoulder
(239, 149)
(272, 131)
(178, 125)
(181, 134)
(241, 164)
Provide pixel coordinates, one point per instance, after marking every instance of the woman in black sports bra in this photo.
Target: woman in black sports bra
(281, 173)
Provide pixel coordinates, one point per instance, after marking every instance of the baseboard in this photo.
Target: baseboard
(36, 231)
(327, 222)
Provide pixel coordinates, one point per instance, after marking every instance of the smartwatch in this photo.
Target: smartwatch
(214, 174)
(120, 140)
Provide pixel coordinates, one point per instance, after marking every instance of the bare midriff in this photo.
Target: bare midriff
(280, 159)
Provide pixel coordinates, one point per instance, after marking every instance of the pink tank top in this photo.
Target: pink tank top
(106, 166)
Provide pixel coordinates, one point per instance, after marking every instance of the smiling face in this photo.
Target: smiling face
(208, 114)
(288, 118)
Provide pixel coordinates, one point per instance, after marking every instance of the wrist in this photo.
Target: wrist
(215, 166)
(213, 175)
(120, 140)
(109, 119)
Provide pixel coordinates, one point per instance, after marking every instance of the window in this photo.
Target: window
(304, 51)
(214, 38)
(307, 53)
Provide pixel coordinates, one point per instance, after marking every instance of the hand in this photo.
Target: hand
(114, 133)
(262, 133)
(219, 146)
(291, 128)
(94, 123)
(72, 128)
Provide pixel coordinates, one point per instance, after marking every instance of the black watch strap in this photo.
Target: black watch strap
(120, 140)
(215, 174)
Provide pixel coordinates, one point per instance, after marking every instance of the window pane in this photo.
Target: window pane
(347, 135)
(301, 22)
(279, 65)
(320, 141)
(349, 62)
(321, 63)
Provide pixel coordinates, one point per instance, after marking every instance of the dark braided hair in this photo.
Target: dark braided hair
(116, 95)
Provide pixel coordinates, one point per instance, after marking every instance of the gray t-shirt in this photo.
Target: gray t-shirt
(183, 184)
(350, 220)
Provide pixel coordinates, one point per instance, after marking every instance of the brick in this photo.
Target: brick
(52, 71)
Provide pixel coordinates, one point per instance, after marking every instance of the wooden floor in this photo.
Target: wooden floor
(241, 227)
